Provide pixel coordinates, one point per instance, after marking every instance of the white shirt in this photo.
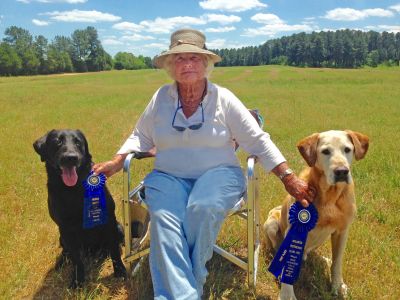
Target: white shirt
(190, 153)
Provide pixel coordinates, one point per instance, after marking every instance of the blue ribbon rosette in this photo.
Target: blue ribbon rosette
(94, 205)
(287, 262)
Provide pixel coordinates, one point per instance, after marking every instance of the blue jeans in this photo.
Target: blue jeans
(186, 216)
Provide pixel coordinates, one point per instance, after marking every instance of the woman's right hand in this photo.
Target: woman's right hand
(110, 167)
(299, 189)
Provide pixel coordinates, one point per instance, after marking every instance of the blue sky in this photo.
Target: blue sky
(144, 26)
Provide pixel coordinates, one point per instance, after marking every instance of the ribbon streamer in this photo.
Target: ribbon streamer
(287, 262)
(94, 205)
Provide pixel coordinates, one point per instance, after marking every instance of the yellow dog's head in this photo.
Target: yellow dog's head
(332, 153)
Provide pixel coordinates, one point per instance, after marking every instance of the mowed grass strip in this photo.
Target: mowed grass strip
(295, 102)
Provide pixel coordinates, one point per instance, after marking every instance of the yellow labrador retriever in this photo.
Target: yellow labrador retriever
(329, 156)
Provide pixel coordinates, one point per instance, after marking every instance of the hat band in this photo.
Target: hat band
(180, 42)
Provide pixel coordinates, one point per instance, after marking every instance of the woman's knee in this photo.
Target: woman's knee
(204, 210)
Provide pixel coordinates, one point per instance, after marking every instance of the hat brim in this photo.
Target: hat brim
(184, 48)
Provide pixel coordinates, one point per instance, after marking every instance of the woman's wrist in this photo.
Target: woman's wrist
(282, 171)
(118, 161)
(286, 173)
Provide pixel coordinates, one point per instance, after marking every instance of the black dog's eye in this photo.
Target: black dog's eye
(59, 142)
(78, 144)
(347, 149)
(326, 152)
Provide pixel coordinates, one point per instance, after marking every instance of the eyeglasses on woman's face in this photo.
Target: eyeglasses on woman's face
(191, 127)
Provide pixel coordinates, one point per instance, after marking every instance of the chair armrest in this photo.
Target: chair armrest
(128, 159)
(251, 162)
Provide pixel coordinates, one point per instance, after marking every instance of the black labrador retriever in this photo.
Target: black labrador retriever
(68, 163)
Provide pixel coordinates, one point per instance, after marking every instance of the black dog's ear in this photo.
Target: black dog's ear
(40, 147)
(88, 156)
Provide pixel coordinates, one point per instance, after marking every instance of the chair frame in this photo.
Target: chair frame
(248, 209)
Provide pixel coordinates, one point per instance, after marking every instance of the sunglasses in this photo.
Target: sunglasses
(191, 127)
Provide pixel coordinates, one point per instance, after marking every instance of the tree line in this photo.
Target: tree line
(23, 54)
(332, 49)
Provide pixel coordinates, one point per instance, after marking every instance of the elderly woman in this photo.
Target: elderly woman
(196, 178)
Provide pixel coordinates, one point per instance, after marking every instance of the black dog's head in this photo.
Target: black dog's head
(64, 151)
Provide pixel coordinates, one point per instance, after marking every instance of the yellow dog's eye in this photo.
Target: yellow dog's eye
(326, 152)
(347, 149)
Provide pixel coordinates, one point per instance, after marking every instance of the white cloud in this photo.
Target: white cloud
(216, 44)
(128, 26)
(231, 5)
(273, 25)
(350, 14)
(222, 19)
(223, 43)
(395, 7)
(111, 42)
(40, 22)
(137, 37)
(156, 45)
(166, 25)
(273, 29)
(63, 1)
(89, 16)
(267, 19)
(54, 1)
(378, 12)
(220, 29)
(388, 28)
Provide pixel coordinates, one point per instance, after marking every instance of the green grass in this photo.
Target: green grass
(295, 102)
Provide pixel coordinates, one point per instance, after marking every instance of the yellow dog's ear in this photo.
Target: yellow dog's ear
(360, 142)
(308, 148)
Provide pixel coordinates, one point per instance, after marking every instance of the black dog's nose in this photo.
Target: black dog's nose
(341, 174)
(69, 159)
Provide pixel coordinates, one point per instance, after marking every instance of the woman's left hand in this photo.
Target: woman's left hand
(299, 189)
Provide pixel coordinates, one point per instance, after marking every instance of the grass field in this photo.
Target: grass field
(295, 103)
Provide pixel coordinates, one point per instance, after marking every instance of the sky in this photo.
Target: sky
(143, 27)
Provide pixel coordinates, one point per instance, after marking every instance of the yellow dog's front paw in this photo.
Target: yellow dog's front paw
(340, 289)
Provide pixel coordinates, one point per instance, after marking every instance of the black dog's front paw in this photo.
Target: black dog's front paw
(78, 278)
(75, 284)
(119, 270)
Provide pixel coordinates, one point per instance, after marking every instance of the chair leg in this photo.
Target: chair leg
(250, 249)
(253, 224)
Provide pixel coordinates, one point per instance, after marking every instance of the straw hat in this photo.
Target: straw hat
(186, 41)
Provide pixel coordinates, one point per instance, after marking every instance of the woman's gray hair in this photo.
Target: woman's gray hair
(169, 65)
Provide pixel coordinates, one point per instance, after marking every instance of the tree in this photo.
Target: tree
(338, 50)
(348, 52)
(317, 50)
(10, 63)
(265, 54)
(60, 53)
(41, 48)
(127, 61)
(373, 58)
(21, 40)
(360, 48)
(397, 55)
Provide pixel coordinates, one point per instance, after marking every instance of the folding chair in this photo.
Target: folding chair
(136, 221)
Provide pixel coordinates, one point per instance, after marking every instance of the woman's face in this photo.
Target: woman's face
(189, 67)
